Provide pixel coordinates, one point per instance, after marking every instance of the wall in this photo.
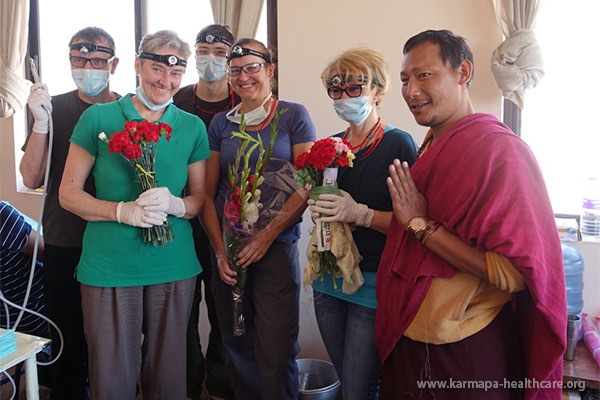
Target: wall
(311, 32)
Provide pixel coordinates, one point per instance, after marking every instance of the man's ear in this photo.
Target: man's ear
(138, 65)
(465, 70)
(113, 67)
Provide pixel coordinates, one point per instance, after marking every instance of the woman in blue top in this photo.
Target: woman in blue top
(264, 360)
(356, 81)
(130, 288)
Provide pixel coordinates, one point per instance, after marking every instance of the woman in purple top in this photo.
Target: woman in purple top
(264, 360)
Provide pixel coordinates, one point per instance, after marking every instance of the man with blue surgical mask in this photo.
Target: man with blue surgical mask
(210, 95)
(92, 58)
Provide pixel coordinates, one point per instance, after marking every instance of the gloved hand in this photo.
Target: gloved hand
(334, 208)
(39, 101)
(131, 214)
(313, 214)
(161, 199)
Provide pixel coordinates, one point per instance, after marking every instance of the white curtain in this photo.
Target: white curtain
(242, 16)
(517, 63)
(14, 25)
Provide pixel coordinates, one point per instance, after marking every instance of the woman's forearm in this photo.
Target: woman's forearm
(212, 226)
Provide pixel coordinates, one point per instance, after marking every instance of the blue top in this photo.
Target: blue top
(15, 270)
(294, 127)
(366, 183)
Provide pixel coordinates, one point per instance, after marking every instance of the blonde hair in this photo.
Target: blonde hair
(359, 65)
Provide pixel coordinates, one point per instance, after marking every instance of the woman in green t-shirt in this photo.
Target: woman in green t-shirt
(131, 288)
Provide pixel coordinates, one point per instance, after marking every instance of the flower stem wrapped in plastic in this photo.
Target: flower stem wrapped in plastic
(331, 250)
(247, 210)
(138, 144)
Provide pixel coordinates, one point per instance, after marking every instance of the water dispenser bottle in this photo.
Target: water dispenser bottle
(573, 267)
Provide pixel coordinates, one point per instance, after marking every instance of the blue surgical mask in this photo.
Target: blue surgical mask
(353, 110)
(211, 68)
(91, 82)
(154, 107)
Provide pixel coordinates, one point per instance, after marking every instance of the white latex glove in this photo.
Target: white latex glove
(131, 214)
(334, 208)
(313, 214)
(39, 101)
(161, 199)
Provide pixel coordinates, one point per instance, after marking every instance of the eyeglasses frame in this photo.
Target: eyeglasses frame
(108, 60)
(242, 68)
(342, 91)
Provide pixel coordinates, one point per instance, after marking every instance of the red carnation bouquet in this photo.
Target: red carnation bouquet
(138, 144)
(317, 173)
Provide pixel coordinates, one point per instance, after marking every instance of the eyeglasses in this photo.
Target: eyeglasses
(97, 63)
(252, 68)
(352, 91)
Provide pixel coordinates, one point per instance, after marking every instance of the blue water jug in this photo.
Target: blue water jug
(573, 265)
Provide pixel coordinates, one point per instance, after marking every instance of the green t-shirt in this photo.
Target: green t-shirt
(115, 255)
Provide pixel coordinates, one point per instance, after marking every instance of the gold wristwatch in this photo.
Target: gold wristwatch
(417, 224)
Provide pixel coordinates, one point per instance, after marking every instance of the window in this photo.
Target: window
(118, 18)
(187, 18)
(55, 37)
(182, 16)
(557, 114)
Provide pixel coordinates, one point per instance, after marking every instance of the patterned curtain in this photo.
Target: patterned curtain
(242, 16)
(517, 63)
(14, 25)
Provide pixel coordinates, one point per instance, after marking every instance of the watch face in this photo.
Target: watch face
(417, 224)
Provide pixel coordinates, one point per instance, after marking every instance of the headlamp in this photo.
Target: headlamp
(213, 39)
(239, 51)
(85, 48)
(168, 60)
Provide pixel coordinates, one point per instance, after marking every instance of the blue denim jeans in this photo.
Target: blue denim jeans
(348, 331)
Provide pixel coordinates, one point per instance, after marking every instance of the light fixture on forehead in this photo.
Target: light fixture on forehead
(85, 48)
(169, 59)
(338, 81)
(239, 51)
(213, 39)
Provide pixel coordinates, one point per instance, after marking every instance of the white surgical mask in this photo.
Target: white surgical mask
(211, 68)
(254, 117)
(91, 82)
(154, 107)
(354, 110)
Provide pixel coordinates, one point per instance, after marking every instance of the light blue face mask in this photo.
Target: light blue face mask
(91, 82)
(154, 107)
(354, 110)
(251, 118)
(211, 68)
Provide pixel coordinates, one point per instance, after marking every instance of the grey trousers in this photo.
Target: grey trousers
(115, 320)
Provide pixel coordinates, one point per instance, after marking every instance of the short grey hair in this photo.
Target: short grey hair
(165, 38)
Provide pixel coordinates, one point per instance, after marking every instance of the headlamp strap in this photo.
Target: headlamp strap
(239, 51)
(169, 60)
(213, 39)
(85, 48)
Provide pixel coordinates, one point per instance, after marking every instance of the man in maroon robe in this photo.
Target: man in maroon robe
(470, 289)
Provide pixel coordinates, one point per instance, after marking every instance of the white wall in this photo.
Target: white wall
(312, 32)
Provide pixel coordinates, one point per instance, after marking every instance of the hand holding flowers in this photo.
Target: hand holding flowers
(332, 250)
(242, 210)
(138, 144)
(334, 208)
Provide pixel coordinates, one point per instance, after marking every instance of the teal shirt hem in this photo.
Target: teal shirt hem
(364, 296)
